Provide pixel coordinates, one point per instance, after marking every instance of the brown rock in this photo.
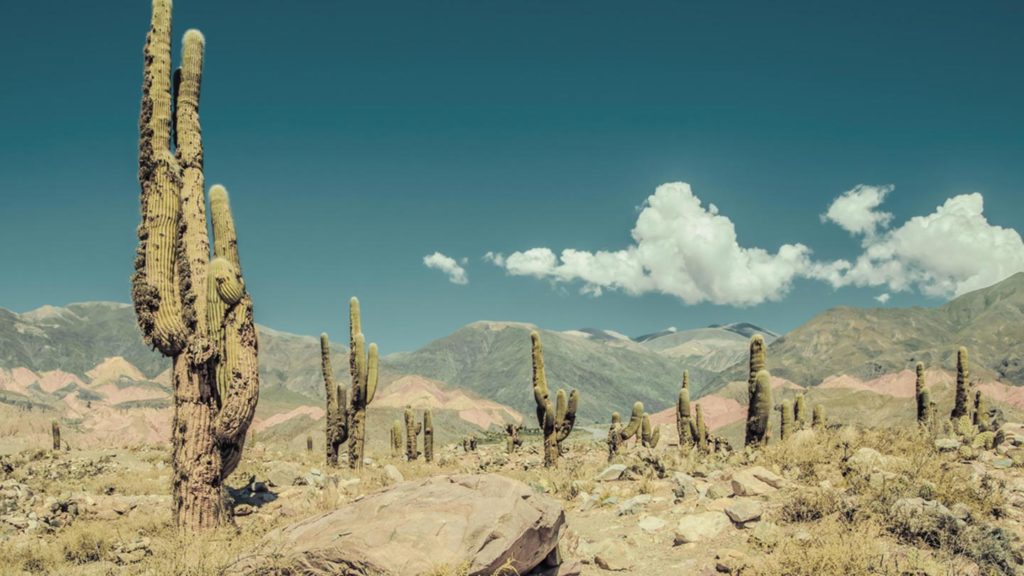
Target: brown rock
(480, 521)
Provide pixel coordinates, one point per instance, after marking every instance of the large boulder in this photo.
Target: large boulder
(479, 521)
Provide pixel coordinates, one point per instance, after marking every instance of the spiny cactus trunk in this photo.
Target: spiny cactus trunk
(337, 424)
(818, 420)
(649, 435)
(981, 419)
(412, 430)
(512, 440)
(922, 396)
(191, 305)
(55, 431)
(309, 443)
(396, 439)
(363, 370)
(960, 406)
(786, 420)
(759, 410)
(555, 422)
(800, 418)
(699, 430)
(683, 415)
(619, 434)
(428, 436)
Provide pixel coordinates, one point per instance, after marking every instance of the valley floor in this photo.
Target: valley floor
(837, 501)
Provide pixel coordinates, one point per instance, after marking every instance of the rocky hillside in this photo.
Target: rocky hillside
(867, 343)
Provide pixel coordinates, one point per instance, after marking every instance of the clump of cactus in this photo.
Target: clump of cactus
(684, 422)
(786, 417)
(818, 417)
(55, 432)
(923, 396)
(981, 419)
(412, 430)
(512, 439)
(337, 420)
(469, 444)
(428, 436)
(396, 439)
(961, 403)
(619, 434)
(759, 410)
(699, 430)
(800, 411)
(191, 305)
(556, 422)
(649, 435)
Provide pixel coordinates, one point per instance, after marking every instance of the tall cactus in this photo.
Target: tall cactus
(922, 396)
(649, 435)
(337, 404)
(757, 360)
(759, 410)
(963, 395)
(555, 422)
(309, 443)
(412, 431)
(683, 417)
(818, 419)
(363, 370)
(619, 434)
(55, 432)
(428, 436)
(786, 420)
(191, 306)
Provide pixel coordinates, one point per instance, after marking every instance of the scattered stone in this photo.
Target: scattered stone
(701, 527)
(633, 505)
(243, 510)
(614, 556)
(685, 486)
(393, 474)
(729, 561)
(947, 444)
(764, 535)
(1002, 463)
(743, 510)
(651, 524)
(756, 481)
(611, 473)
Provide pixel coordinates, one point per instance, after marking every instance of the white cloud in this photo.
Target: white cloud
(456, 273)
(856, 210)
(949, 252)
(681, 249)
(883, 298)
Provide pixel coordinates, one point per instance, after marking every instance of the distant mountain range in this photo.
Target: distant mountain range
(91, 354)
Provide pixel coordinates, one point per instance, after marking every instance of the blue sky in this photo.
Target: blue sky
(357, 138)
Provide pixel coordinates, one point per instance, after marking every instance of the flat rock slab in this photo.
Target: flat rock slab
(480, 521)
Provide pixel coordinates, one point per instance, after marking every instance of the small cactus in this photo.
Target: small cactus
(555, 422)
(396, 439)
(55, 430)
(818, 418)
(428, 436)
(960, 406)
(619, 434)
(649, 435)
(922, 395)
(759, 410)
(309, 443)
(699, 429)
(981, 419)
(800, 411)
(512, 440)
(786, 420)
(412, 430)
(683, 417)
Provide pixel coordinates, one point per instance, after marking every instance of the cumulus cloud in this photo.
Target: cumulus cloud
(946, 253)
(883, 298)
(455, 272)
(680, 248)
(856, 210)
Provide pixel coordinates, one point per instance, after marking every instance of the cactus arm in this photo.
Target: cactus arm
(635, 421)
(357, 361)
(561, 405)
(194, 239)
(240, 357)
(759, 410)
(342, 429)
(540, 382)
(372, 373)
(757, 358)
(355, 324)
